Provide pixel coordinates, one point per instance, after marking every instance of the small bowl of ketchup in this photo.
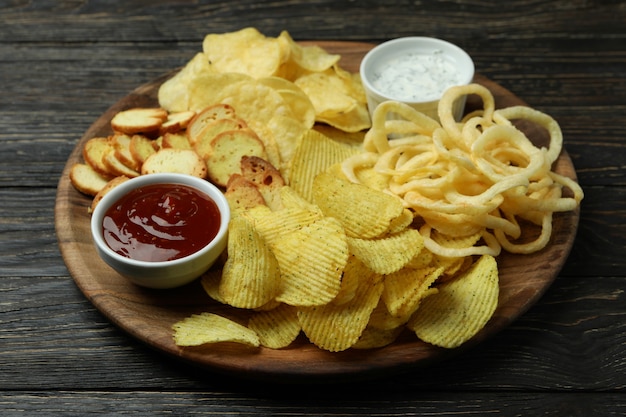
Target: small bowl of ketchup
(161, 230)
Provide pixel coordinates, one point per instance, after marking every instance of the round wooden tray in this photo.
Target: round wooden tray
(149, 314)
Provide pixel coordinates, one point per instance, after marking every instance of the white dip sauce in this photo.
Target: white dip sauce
(416, 77)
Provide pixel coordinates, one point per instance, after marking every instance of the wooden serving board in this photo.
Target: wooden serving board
(149, 314)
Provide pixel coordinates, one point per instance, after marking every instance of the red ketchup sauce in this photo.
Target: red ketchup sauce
(161, 222)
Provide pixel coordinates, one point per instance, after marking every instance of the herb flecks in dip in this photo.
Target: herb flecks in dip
(416, 76)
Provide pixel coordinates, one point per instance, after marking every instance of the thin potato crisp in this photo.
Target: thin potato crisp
(311, 261)
(460, 308)
(206, 328)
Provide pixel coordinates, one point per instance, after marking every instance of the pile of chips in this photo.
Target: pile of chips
(350, 243)
(342, 264)
(277, 86)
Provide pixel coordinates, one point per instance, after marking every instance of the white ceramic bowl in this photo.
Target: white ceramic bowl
(444, 53)
(163, 274)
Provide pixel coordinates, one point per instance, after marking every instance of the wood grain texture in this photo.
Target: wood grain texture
(149, 315)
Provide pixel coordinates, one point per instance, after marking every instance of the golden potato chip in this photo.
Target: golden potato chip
(365, 213)
(203, 89)
(311, 260)
(405, 289)
(274, 225)
(246, 51)
(341, 136)
(200, 329)
(373, 338)
(301, 106)
(286, 132)
(388, 254)
(337, 327)
(276, 328)
(291, 199)
(461, 308)
(251, 276)
(310, 58)
(315, 153)
(210, 282)
(173, 94)
(327, 93)
(354, 274)
(401, 222)
(354, 120)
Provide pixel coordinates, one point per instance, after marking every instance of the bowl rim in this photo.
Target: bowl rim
(405, 43)
(200, 184)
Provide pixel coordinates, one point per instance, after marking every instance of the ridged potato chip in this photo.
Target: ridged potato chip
(354, 274)
(200, 329)
(311, 260)
(365, 213)
(405, 290)
(251, 275)
(314, 154)
(461, 307)
(335, 327)
(274, 225)
(276, 328)
(373, 338)
(389, 253)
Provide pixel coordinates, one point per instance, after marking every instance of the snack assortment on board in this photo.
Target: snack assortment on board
(338, 232)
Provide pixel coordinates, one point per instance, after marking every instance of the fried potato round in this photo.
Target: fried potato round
(311, 260)
(388, 254)
(364, 212)
(314, 154)
(276, 328)
(205, 328)
(460, 308)
(337, 327)
(405, 289)
(251, 276)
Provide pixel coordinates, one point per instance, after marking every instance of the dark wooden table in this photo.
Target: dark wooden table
(62, 64)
